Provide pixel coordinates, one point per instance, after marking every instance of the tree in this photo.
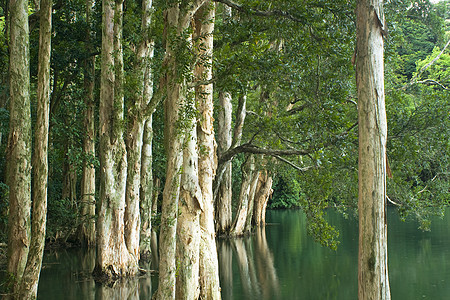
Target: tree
(113, 258)
(373, 282)
(29, 284)
(87, 225)
(19, 144)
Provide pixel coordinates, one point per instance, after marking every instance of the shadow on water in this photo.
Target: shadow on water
(282, 262)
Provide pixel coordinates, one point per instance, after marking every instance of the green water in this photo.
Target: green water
(282, 262)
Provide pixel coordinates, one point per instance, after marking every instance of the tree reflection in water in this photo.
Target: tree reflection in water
(255, 262)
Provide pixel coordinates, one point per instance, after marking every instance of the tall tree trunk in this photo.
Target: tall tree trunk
(140, 98)
(173, 143)
(30, 279)
(190, 207)
(224, 195)
(113, 258)
(373, 281)
(87, 209)
(209, 265)
(19, 143)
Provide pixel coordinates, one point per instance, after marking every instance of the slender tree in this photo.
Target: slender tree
(29, 283)
(113, 258)
(372, 259)
(137, 119)
(87, 226)
(209, 268)
(19, 144)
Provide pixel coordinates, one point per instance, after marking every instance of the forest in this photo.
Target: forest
(186, 120)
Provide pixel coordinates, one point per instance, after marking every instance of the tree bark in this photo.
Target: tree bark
(262, 195)
(137, 119)
(113, 259)
(87, 209)
(190, 207)
(373, 281)
(19, 144)
(209, 265)
(146, 192)
(30, 279)
(224, 195)
(173, 143)
(241, 215)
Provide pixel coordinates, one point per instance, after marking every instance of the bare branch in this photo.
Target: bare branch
(292, 164)
(424, 68)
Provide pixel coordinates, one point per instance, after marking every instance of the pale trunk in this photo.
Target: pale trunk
(209, 265)
(262, 197)
(87, 225)
(224, 194)
(146, 192)
(135, 133)
(188, 230)
(30, 279)
(19, 143)
(241, 214)
(173, 144)
(251, 202)
(373, 282)
(113, 258)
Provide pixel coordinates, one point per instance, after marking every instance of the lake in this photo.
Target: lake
(283, 262)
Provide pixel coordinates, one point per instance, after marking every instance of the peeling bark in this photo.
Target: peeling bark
(113, 259)
(209, 265)
(87, 207)
(373, 280)
(19, 143)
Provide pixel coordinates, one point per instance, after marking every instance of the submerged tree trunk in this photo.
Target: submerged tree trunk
(19, 144)
(113, 258)
(224, 195)
(263, 192)
(209, 265)
(87, 207)
(173, 143)
(240, 219)
(251, 202)
(137, 120)
(29, 283)
(190, 207)
(373, 281)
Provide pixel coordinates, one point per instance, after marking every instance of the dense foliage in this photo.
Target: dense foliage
(297, 73)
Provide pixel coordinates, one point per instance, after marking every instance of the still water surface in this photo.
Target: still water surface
(282, 262)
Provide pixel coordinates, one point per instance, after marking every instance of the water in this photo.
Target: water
(282, 262)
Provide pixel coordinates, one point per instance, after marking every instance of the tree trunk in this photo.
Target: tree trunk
(29, 283)
(251, 202)
(140, 98)
(188, 230)
(241, 215)
(146, 192)
(19, 143)
(87, 209)
(373, 282)
(113, 258)
(173, 143)
(209, 265)
(224, 194)
(262, 195)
